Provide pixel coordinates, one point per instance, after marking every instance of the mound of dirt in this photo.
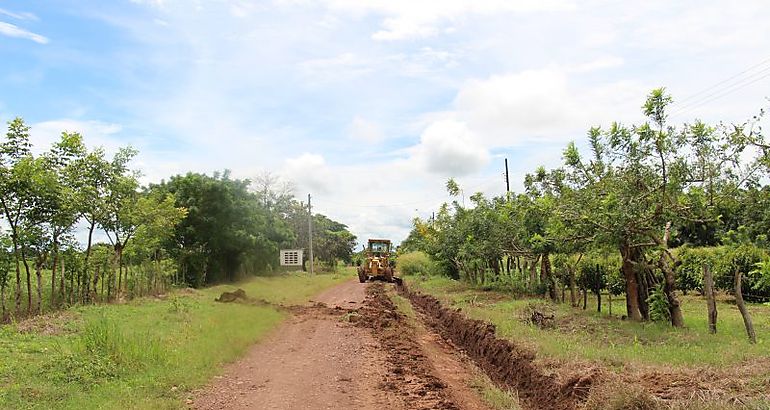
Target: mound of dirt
(239, 296)
(229, 297)
(409, 370)
(505, 363)
(55, 323)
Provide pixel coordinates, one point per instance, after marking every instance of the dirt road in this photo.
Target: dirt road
(349, 348)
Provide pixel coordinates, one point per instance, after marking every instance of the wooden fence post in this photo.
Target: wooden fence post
(742, 307)
(708, 289)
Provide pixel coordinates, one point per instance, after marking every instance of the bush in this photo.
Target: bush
(415, 263)
(608, 272)
(723, 261)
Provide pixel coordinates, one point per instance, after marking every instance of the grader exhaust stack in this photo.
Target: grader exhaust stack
(378, 264)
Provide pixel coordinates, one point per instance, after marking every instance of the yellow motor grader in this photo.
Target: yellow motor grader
(378, 265)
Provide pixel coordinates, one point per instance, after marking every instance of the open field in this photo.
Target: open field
(148, 353)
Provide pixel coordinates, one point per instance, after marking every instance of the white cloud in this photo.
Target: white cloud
(449, 148)
(310, 173)
(361, 129)
(338, 68)
(406, 19)
(602, 63)
(19, 16)
(532, 105)
(12, 30)
(95, 133)
(153, 3)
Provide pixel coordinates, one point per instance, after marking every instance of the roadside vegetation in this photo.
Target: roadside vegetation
(650, 212)
(147, 353)
(648, 258)
(192, 230)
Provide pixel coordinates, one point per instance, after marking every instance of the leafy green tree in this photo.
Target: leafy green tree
(226, 231)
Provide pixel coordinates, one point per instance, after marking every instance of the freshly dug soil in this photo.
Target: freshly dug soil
(505, 363)
(409, 371)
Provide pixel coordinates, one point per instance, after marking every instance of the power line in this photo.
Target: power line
(723, 88)
(724, 81)
(717, 95)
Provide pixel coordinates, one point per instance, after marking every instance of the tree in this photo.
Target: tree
(88, 176)
(14, 186)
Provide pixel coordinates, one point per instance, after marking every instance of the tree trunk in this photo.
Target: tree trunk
(96, 283)
(74, 290)
(2, 300)
(88, 256)
(547, 277)
(632, 289)
(572, 287)
(61, 282)
(609, 296)
(643, 287)
(54, 263)
(708, 290)
(29, 278)
(39, 275)
(585, 298)
(53, 281)
(119, 254)
(669, 284)
(18, 273)
(742, 307)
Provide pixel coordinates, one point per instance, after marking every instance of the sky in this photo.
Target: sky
(371, 105)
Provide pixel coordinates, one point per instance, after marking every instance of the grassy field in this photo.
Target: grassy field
(588, 335)
(149, 353)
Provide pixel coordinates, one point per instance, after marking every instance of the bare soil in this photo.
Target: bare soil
(348, 348)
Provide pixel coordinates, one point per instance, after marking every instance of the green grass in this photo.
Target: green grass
(588, 335)
(149, 353)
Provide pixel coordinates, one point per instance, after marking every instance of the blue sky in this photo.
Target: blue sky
(370, 105)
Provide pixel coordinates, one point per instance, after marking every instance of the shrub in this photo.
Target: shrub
(723, 261)
(415, 263)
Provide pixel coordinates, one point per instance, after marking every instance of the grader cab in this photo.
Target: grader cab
(378, 264)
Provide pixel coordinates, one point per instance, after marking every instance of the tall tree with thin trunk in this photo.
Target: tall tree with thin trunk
(88, 176)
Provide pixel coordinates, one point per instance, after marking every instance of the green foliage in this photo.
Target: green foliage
(761, 273)
(226, 230)
(724, 261)
(658, 303)
(415, 263)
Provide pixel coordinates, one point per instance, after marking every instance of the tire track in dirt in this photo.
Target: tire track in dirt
(410, 373)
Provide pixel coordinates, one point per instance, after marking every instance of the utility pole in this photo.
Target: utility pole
(310, 231)
(507, 184)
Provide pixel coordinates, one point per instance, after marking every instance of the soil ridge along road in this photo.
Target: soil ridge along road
(349, 348)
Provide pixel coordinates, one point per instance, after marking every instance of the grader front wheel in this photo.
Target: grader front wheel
(361, 275)
(388, 274)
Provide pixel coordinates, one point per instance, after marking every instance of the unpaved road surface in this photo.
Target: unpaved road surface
(348, 348)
